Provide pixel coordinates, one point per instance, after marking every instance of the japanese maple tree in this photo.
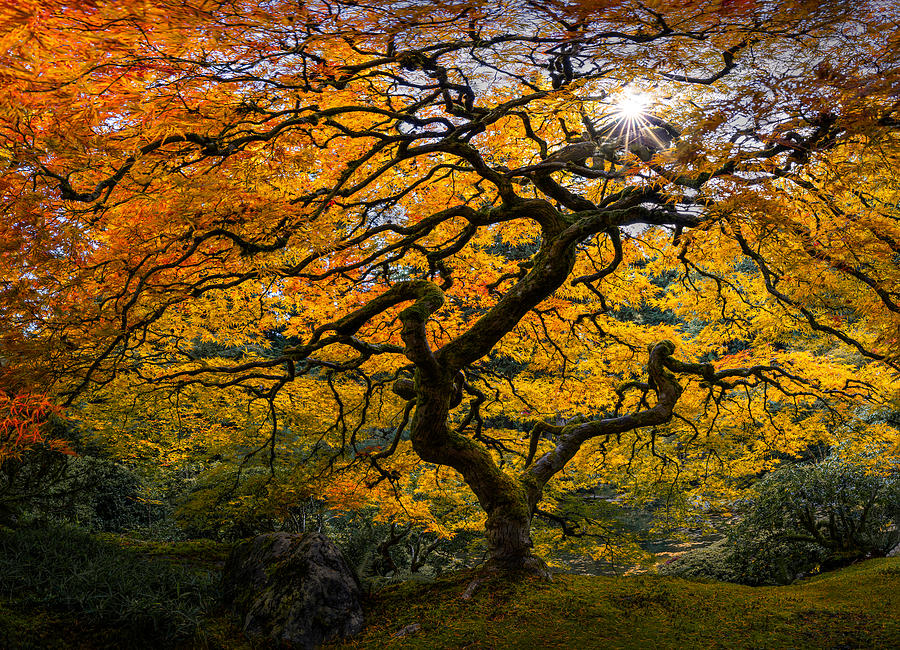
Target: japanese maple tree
(664, 236)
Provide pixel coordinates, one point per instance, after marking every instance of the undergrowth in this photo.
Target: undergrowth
(68, 573)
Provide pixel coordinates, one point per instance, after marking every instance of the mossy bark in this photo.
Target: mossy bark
(504, 498)
(509, 501)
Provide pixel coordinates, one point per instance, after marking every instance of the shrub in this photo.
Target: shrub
(802, 519)
(758, 560)
(96, 494)
(25, 478)
(848, 508)
(715, 562)
(69, 571)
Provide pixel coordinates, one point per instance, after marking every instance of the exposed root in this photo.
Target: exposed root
(530, 566)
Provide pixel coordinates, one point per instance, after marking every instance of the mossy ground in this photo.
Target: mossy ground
(857, 607)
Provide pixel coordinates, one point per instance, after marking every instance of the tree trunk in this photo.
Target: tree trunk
(504, 498)
(508, 532)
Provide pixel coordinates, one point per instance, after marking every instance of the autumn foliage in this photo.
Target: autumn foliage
(347, 242)
(21, 424)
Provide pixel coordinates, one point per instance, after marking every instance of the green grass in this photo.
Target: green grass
(858, 607)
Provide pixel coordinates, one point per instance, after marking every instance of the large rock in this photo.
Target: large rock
(294, 591)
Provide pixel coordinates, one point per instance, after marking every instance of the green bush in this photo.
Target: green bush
(802, 519)
(763, 559)
(847, 508)
(94, 493)
(69, 571)
(714, 562)
(25, 480)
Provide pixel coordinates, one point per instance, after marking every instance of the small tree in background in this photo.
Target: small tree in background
(848, 508)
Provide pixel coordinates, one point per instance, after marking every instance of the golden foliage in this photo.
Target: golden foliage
(209, 208)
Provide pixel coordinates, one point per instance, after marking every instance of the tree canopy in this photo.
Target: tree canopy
(419, 252)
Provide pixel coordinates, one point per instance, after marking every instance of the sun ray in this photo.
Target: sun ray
(632, 106)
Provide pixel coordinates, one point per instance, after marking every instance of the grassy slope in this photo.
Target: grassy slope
(858, 607)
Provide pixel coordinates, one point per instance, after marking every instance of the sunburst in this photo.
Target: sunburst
(631, 107)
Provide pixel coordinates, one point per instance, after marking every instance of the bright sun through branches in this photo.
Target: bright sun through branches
(632, 106)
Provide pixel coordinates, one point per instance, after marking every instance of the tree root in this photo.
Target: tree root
(531, 566)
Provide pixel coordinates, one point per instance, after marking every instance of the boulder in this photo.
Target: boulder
(293, 591)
